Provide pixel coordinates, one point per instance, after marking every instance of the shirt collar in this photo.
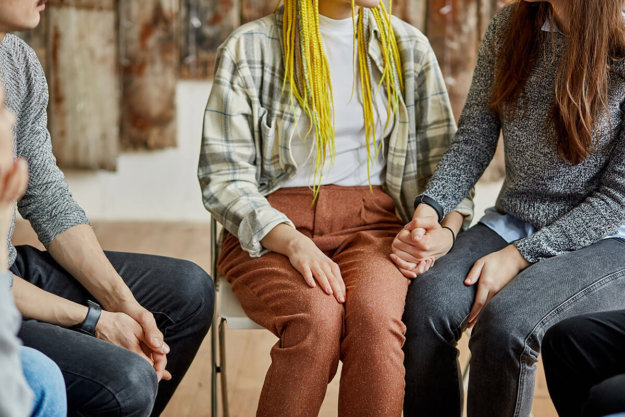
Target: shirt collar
(550, 25)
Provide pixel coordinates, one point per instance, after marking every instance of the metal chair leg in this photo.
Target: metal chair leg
(222, 363)
(214, 370)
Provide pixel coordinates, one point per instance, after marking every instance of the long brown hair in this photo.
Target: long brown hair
(596, 37)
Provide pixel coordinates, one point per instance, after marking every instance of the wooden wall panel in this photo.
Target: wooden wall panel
(412, 11)
(453, 32)
(255, 9)
(205, 25)
(149, 72)
(84, 87)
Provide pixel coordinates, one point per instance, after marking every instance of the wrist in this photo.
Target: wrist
(294, 244)
(425, 200)
(424, 210)
(452, 234)
(518, 259)
(89, 324)
(119, 299)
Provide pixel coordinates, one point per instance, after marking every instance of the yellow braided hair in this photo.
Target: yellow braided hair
(307, 74)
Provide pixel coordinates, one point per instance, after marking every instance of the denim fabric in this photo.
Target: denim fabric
(506, 340)
(103, 379)
(46, 381)
(585, 364)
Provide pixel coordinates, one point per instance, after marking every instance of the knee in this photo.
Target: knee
(430, 313)
(46, 381)
(375, 324)
(195, 291)
(499, 335)
(137, 394)
(317, 327)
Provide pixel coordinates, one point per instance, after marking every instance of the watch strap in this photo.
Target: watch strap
(93, 315)
(432, 203)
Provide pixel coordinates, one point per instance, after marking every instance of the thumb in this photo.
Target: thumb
(152, 335)
(428, 222)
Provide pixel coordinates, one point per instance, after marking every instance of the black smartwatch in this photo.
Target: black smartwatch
(430, 202)
(93, 315)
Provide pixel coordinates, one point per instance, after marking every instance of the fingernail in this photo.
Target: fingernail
(156, 341)
(165, 348)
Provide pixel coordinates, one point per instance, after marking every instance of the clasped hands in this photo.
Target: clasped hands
(134, 328)
(417, 246)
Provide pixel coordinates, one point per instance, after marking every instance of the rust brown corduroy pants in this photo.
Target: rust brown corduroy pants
(355, 228)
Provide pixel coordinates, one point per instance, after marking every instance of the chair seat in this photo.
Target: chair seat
(230, 309)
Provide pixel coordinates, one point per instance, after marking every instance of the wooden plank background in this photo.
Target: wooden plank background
(148, 43)
(113, 65)
(83, 82)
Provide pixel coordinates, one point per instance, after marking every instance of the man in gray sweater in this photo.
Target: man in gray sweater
(127, 355)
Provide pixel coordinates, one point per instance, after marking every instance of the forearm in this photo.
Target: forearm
(35, 303)
(281, 239)
(79, 252)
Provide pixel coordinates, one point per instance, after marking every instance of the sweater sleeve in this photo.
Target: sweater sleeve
(478, 131)
(47, 203)
(435, 123)
(227, 169)
(599, 215)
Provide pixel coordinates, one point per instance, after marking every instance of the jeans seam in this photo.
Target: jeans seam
(600, 283)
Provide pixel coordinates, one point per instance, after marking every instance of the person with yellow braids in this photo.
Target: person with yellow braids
(325, 120)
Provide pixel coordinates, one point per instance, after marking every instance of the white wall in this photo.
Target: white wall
(154, 185)
(162, 185)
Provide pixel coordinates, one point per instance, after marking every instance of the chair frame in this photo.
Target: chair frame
(218, 347)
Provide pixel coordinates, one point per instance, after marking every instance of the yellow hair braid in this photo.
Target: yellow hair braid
(307, 73)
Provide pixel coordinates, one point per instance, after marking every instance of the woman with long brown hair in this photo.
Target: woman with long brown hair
(551, 77)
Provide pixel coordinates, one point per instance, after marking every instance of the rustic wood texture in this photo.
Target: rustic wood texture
(84, 87)
(451, 26)
(149, 73)
(411, 11)
(255, 9)
(205, 25)
(248, 350)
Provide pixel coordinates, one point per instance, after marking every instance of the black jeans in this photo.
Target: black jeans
(106, 380)
(584, 361)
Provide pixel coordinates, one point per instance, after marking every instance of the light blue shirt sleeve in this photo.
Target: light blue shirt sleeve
(511, 228)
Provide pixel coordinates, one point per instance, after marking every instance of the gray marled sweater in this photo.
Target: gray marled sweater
(571, 206)
(47, 203)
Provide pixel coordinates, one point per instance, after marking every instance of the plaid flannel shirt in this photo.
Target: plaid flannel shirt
(250, 121)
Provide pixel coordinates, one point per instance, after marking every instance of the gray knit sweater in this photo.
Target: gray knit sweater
(47, 203)
(571, 206)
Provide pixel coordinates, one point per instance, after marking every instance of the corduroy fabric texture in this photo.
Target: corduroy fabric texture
(354, 227)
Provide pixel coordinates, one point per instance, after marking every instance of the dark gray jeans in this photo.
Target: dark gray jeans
(106, 380)
(505, 342)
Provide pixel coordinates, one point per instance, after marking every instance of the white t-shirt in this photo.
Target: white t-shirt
(350, 164)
